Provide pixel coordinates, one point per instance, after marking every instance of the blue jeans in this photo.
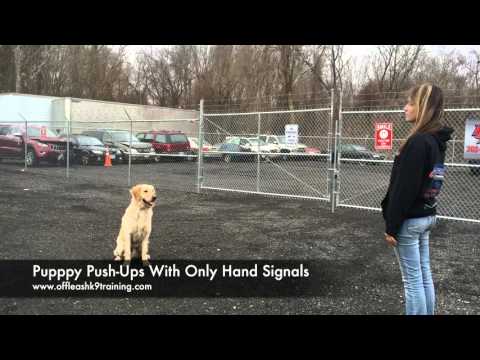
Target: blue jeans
(412, 252)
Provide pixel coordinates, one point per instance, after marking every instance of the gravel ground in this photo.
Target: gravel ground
(55, 219)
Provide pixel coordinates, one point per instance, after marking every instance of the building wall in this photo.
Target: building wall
(34, 108)
(92, 114)
(89, 114)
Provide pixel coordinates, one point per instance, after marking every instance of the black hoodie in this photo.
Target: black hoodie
(416, 179)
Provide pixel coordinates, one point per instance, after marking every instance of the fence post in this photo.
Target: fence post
(339, 149)
(26, 145)
(129, 150)
(258, 152)
(336, 155)
(67, 109)
(330, 140)
(200, 149)
(25, 142)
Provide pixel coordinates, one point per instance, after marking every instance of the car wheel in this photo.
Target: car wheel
(227, 158)
(31, 158)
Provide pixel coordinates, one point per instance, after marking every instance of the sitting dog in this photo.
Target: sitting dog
(133, 238)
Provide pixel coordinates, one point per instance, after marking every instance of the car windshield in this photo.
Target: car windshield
(41, 132)
(123, 136)
(359, 148)
(282, 139)
(87, 140)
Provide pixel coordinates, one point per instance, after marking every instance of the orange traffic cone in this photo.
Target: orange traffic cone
(108, 159)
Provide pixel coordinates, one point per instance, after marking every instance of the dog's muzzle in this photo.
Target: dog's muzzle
(150, 204)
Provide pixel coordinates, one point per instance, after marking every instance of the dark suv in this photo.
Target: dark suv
(354, 151)
(120, 139)
(42, 144)
(167, 142)
(88, 150)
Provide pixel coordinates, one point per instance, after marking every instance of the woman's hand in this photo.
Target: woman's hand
(390, 240)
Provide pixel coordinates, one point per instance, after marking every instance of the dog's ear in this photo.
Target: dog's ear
(135, 191)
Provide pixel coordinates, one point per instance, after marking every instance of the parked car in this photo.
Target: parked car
(312, 153)
(235, 152)
(43, 144)
(89, 149)
(352, 151)
(474, 170)
(208, 150)
(120, 139)
(284, 147)
(255, 145)
(167, 142)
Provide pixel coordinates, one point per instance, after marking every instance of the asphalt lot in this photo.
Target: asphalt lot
(79, 219)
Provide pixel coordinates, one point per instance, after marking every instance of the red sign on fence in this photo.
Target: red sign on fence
(383, 136)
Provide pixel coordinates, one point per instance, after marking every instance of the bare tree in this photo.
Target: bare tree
(473, 72)
(290, 68)
(394, 65)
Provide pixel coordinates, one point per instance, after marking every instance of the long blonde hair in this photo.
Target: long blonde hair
(428, 100)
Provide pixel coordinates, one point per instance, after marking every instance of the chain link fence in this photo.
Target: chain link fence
(148, 144)
(250, 149)
(21, 150)
(363, 179)
(250, 152)
(145, 144)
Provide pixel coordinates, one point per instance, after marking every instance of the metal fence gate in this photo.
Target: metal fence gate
(363, 183)
(252, 155)
(331, 174)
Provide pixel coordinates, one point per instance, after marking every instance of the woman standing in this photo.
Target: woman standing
(409, 207)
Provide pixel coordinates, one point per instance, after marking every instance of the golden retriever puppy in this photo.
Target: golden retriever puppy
(133, 238)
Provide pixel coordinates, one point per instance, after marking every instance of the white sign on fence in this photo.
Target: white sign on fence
(291, 134)
(472, 139)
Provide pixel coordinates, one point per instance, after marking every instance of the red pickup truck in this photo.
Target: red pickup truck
(42, 144)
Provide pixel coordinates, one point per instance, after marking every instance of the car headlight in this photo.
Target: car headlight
(97, 152)
(133, 151)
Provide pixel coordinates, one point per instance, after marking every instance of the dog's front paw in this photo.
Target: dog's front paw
(117, 258)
